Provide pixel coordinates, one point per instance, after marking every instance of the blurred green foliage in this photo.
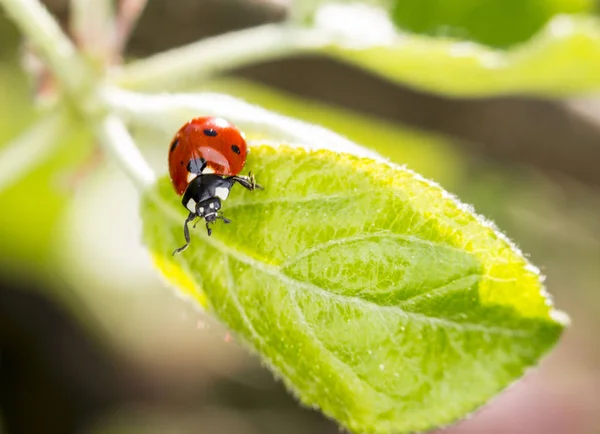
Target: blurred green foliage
(562, 59)
(497, 23)
(32, 207)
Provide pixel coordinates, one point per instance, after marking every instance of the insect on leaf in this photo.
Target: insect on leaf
(372, 293)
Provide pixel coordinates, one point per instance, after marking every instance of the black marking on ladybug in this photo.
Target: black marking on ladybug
(181, 163)
(196, 165)
(210, 132)
(236, 149)
(174, 144)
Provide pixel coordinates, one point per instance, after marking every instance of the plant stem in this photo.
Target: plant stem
(162, 112)
(111, 131)
(81, 86)
(217, 54)
(55, 47)
(92, 24)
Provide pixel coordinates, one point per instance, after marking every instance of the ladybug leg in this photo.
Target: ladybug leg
(247, 182)
(186, 233)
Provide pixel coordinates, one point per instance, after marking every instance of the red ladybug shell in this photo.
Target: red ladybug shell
(218, 142)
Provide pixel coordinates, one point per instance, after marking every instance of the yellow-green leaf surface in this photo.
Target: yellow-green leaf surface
(27, 226)
(563, 58)
(371, 292)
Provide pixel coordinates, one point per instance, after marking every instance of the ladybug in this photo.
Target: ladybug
(205, 159)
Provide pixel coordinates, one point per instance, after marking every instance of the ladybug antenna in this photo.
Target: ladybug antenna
(219, 216)
(222, 217)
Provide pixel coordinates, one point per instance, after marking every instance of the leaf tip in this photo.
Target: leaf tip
(560, 317)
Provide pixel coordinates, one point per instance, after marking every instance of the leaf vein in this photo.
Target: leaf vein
(297, 200)
(321, 344)
(276, 272)
(362, 237)
(437, 290)
(231, 289)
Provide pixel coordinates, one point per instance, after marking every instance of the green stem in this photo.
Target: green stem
(81, 86)
(55, 47)
(218, 54)
(116, 140)
(161, 112)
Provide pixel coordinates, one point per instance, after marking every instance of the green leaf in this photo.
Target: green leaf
(371, 292)
(562, 59)
(496, 22)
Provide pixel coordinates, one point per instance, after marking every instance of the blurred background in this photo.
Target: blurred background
(91, 340)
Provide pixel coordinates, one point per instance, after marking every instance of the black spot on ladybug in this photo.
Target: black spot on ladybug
(196, 165)
(235, 149)
(174, 145)
(181, 163)
(210, 132)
